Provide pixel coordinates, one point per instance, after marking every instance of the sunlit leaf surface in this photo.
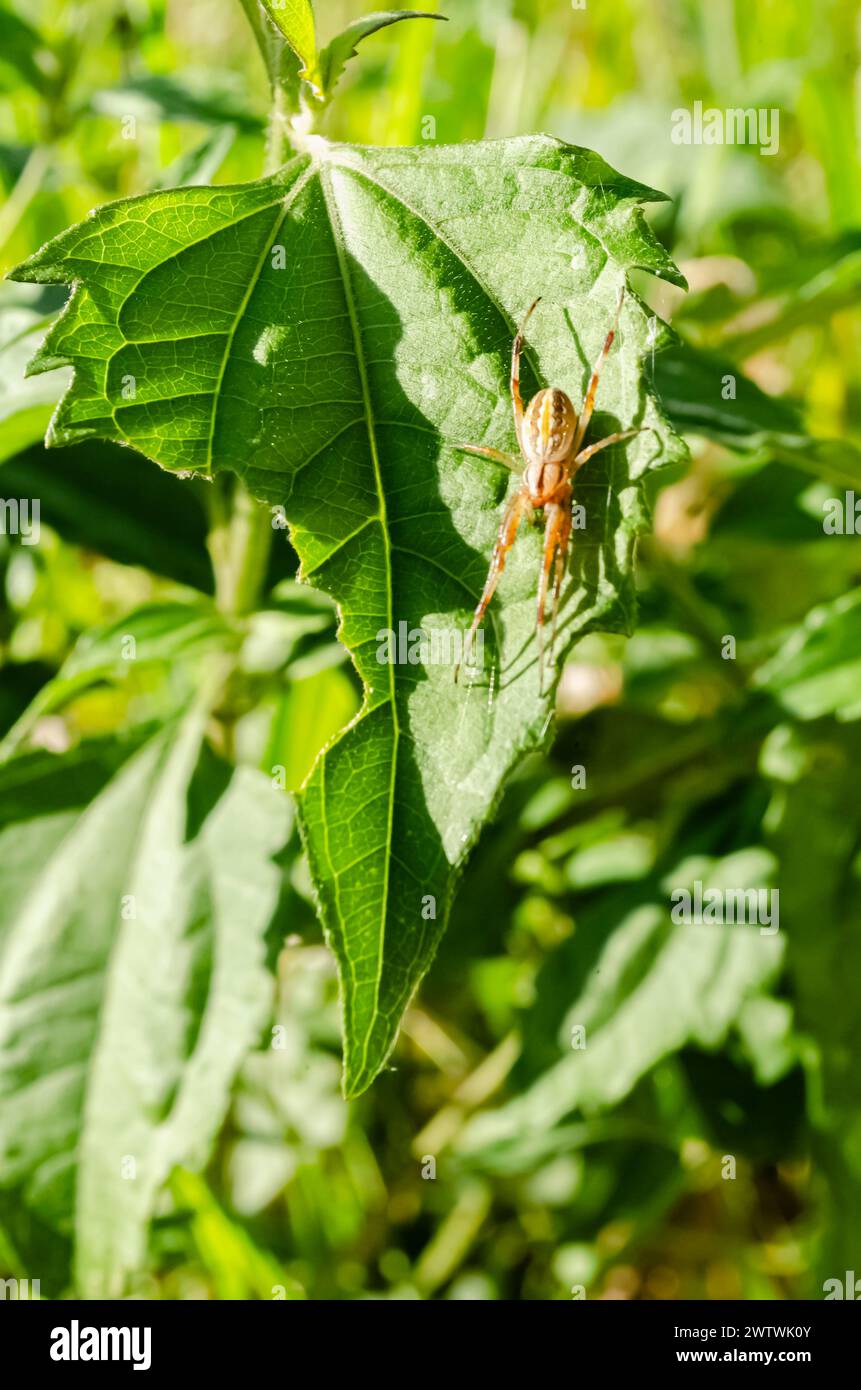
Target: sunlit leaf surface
(330, 334)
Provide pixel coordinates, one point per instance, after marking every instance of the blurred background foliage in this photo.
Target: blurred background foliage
(555, 1167)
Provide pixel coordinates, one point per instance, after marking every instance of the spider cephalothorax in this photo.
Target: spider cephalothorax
(550, 436)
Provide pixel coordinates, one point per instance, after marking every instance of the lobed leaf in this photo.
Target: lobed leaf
(331, 334)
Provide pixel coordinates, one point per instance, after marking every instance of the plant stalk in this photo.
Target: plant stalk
(240, 530)
(239, 541)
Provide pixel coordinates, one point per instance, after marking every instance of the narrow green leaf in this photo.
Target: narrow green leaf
(136, 886)
(201, 164)
(157, 632)
(332, 334)
(25, 406)
(25, 55)
(309, 714)
(199, 95)
(647, 988)
(240, 1270)
(336, 55)
(295, 19)
(709, 395)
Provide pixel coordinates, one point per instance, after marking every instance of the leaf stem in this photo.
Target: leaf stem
(282, 69)
(277, 134)
(268, 39)
(239, 541)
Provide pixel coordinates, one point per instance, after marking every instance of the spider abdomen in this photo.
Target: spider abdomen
(548, 426)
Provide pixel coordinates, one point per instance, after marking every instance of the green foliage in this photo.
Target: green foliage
(707, 395)
(162, 633)
(618, 971)
(146, 517)
(295, 19)
(137, 887)
(167, 680)
(25, 409)
(817, 671)
(23, 53)
(337, 54)
(385, 514)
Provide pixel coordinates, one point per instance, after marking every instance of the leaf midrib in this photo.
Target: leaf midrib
(333, 214)
(373, 179)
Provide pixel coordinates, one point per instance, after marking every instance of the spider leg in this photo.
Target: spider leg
(505, 538)
(589, 402)
(495, 455)
(556, 534)
(586, 454)
(517, 348)
(561, 560)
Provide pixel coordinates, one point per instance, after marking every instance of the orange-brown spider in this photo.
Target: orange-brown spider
(550, 435)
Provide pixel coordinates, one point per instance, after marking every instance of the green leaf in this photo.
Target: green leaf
(774, 505)
(240, 1270)
(24, 55)
(642, 989)
(201, 164)
(25, 406)
(817, 671)
(136, 886)
(693, 386)
(814, 821)
(336, 55)
(709, 395)
(331, 334)
(200, 95)
(833, 289)
(309, 714)
(156, 633)
(146, 517)
(295, 19)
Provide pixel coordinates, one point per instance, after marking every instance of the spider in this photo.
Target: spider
(550, 437)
